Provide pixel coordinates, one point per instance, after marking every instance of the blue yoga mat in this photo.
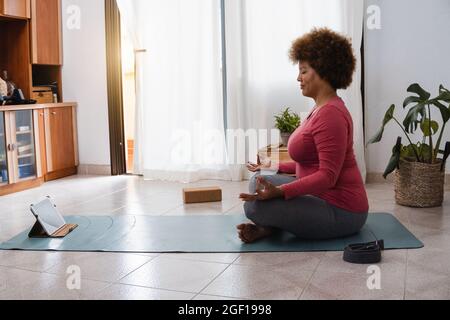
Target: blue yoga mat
(197, 234)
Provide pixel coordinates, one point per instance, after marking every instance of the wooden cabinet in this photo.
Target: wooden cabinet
(15, 8)
(60, 142)
(36, 145)
(37, 142)
(46, 32)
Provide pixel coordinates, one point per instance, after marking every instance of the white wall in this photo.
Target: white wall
(84, 79)
(411, 46)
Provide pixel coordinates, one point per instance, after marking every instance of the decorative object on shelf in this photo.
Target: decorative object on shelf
(43, 94)
(24, 128)
(24, 150)
(3, 88)
(17, 98)
(419, 174)
(287, 122)
(9, 84)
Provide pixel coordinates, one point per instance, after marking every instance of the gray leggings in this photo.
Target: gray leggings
(307, 217)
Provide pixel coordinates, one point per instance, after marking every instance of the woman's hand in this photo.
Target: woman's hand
(269, 191)
(257, 167)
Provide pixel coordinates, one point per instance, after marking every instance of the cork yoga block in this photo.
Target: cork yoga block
(199, 195)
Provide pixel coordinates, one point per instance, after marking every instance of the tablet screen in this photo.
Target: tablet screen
(47, 215)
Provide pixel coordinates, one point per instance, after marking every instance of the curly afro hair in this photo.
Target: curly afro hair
(329, 54)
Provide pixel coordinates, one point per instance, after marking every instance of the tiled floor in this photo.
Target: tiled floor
(405, 274)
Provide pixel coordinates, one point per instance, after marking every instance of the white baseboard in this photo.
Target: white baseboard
(94, 169)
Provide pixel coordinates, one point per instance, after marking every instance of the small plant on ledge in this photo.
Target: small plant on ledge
(287, 122)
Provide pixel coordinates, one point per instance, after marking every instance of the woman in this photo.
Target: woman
(327, 199)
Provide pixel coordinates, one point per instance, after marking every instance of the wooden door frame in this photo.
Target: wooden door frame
(115, 89)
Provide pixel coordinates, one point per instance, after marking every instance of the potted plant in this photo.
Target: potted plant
(287, 122)
(419, 172)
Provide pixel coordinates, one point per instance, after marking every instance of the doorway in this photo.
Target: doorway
(129, 96)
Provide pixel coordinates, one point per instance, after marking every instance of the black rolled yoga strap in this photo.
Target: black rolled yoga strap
(364, 253)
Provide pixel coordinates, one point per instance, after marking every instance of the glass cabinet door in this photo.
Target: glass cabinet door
(3, 160)
(26, 157)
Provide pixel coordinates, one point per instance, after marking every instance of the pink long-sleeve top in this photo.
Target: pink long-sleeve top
(324, 160)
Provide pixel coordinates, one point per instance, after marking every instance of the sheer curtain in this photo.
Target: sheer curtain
(180, 130)
(261, 79)
(180, 93)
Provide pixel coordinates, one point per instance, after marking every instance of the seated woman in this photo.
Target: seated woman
(327, 199)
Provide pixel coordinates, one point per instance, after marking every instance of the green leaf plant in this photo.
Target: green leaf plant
(418, 116)
(287, 122)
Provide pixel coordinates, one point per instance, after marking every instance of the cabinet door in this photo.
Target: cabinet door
(15, 8)
(22, 145)
(4, 176)
(60, 146)
(46, 32)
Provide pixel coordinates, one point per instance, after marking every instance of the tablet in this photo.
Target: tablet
(48, 216)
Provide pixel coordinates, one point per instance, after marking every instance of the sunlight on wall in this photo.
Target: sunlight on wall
(129, 96)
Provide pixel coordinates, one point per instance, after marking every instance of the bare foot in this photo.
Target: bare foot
(248, 232)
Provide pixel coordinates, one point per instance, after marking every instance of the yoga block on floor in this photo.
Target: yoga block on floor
(199, 195)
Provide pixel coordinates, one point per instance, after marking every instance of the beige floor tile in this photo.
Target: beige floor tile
(204, 297)
(301, 260)
(425, 284)
(436, 240)
(157, 204)
(431, 220)
(107, 267)
(30, 260)
(127, 292)
(96, 207)
(175, 274)
(393, 263)
(236, 210)
(206, 257)
(18, 284)
(326, 285)
(435, 260)
(260, 282)
(426, 277)
(212, 208)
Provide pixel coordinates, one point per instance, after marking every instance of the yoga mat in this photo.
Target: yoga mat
(197, 234)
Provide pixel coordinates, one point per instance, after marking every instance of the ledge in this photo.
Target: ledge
(5, 17)
(38, 106)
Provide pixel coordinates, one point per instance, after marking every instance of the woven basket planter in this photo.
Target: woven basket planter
(419, 185)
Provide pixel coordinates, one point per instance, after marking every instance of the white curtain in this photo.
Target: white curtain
(261, 79)
(180, 126)
(179, 113)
